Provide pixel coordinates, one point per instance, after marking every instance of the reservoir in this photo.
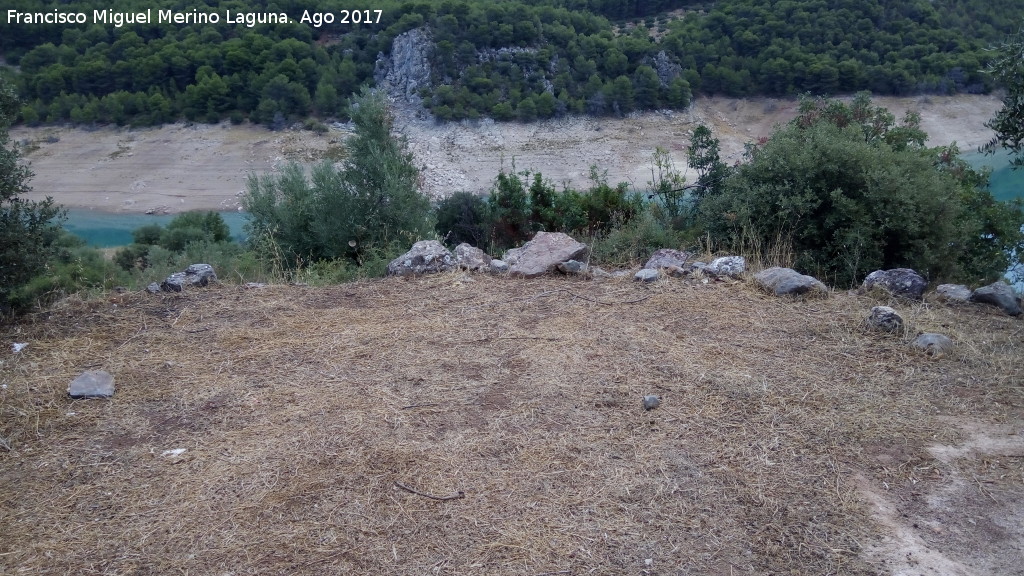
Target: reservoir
(106, 230)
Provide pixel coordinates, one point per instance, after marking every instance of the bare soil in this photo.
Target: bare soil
(178, 168)
(476, 425)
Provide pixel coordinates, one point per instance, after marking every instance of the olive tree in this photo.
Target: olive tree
(1008, 123)
(29, 229)
(371, 202)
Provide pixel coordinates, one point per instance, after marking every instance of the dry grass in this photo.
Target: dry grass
(302, 410)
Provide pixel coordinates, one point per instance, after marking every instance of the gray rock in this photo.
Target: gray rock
(471, 258)
(998, 294)
(153, 288)
(543, 253)
(408, 67)
(173, 283)
(498, 266)
(731, 266)
(196, 275)
(933, 344)
(425, 257)
(675, 271)
(646, 275)
(902, 282)
(92, 384)
(572, 267)
(651, 402)
(885, 318)
(783, 281)
(667, 257)
(953, 293)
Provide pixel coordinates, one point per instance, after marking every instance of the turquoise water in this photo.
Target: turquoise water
(105, 230)
(1005, 183)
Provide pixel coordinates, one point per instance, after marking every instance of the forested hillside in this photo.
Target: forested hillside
(522, 59)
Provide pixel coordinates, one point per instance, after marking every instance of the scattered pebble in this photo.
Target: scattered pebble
(651, 402)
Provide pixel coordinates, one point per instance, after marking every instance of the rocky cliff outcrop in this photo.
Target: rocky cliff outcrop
(407, 68)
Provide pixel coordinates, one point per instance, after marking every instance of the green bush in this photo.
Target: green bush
(148, 234)
(464, 217)
(853, 192)
(634, 241)
(29, 230)
(371, 203)
(73, 268)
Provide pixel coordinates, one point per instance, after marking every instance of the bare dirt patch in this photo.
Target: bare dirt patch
(791, 439)
(177, 168)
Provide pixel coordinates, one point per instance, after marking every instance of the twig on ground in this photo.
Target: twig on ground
(456, 496)
(420, 405)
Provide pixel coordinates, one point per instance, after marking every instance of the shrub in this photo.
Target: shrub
(29, 230)
(636, 240)
(371, 203)
(852, 192)
(148, 234)
(464, 217)
(73, 268)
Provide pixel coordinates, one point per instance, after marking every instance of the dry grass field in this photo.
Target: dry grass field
(478, 425)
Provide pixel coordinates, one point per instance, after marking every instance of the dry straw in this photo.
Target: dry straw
(456, 425)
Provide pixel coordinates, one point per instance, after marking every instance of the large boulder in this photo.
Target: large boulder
(543, 254)
(425, 257)
(471, 258)
(196, 275)
(667, 258)
(731, 266)
(783, 281)
(998, 294)
(885, 318)
(902, 282)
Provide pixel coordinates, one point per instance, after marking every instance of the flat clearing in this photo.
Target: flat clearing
(315, 428)
(201, 167)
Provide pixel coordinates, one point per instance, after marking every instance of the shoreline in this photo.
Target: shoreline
(183, 167)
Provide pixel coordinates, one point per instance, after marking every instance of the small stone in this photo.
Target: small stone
(953, 292)
(498, 266)
(92, 384)
(731, 266)
(651, 402)
(572, 267)
(902, 282)
(933, 344)
(470, 257)
(885, 318)
(153, 288)
(783, 281)
(666, 257)
(646, 275)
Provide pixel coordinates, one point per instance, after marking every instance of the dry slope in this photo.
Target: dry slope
(455, 425)
(178, 168)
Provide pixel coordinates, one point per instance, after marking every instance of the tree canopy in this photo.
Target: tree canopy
(511, 59)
